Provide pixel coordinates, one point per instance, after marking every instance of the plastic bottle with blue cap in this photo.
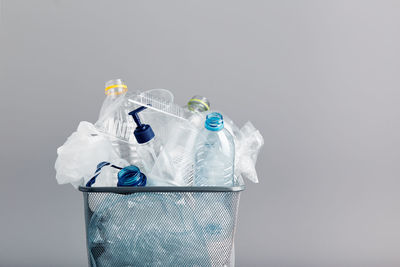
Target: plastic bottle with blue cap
(215, 154)
(108, 174)
(149, 147)
(131, 176)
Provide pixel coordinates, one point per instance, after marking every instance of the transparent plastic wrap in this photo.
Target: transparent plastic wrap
(234, 130)
(80, 154)
(248, 142)
(251, 142)
(161, 228)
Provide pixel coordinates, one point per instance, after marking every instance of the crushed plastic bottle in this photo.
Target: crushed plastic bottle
(115, 122)
(215, 154)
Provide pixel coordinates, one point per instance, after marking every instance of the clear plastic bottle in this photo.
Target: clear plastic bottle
(115, 122)
(215, 154)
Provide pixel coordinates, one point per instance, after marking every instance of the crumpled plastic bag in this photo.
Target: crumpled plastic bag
(248, 142)
(78, 157)
(251, 142)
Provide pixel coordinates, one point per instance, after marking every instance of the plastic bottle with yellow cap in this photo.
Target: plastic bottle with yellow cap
(115, 122)
(115, 91)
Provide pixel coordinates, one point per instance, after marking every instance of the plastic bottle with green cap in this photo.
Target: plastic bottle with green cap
(198, 104)
(198, 107)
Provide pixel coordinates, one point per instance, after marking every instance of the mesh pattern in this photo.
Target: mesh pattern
(160, 228)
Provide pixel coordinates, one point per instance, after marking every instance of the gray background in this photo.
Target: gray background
(319, 79)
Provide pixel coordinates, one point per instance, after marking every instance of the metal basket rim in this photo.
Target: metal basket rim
(125, 190)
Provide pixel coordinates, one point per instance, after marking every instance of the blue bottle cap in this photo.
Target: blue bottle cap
(131, 176)
(214, 122)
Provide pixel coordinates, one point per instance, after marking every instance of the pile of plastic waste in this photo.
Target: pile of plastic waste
(144, 139)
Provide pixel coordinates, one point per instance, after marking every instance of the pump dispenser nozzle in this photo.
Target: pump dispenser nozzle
(143, 132)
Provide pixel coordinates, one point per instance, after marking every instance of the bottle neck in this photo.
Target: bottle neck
(197, 108)
(198, 104)
(115, 88)
(214, 122)
(116, 92)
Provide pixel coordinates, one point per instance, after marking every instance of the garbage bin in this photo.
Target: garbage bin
(160, 226)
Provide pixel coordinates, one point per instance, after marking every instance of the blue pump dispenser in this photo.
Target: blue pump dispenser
(143, 132)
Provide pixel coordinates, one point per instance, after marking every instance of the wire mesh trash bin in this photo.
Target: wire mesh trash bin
(160, 226)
